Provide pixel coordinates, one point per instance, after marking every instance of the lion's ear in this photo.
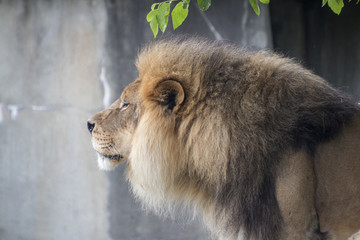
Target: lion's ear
(169, 93)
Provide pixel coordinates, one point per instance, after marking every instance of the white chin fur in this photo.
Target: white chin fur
(105, 164)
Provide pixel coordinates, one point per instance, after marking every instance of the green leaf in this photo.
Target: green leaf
(178, 15)
(324, 2)
(204, 4)
(154, 27)
(265, 1)
(162, 15)
(164, 8)
(336, 5)
(255, 6)
(161, 21)
(151, 15)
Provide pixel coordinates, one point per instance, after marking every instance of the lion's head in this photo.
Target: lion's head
(153, 125)
(112, 129)
(206, 124)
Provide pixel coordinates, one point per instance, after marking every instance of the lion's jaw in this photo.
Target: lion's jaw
(111, 149)
(106, 163)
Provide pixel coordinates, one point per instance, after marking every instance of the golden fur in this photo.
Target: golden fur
(259, 146)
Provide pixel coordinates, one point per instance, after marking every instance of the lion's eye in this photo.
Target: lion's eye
(124, 106)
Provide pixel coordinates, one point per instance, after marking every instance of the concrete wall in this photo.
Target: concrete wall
(50, 187)
(60, 62)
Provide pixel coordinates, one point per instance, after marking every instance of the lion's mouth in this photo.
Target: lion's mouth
(109, 162)
(117, 157)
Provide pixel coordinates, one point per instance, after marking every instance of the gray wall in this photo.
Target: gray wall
(61, 62)
(50, 187)
(326, 43)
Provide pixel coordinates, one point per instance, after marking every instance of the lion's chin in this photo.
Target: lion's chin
(107, 163)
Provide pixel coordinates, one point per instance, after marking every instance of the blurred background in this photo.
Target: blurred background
(62, 61)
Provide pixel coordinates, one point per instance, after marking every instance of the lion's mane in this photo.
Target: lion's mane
(220, 148)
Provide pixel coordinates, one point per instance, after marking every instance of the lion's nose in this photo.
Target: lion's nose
(90, 126)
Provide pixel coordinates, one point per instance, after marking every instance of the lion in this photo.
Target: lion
(257, 145)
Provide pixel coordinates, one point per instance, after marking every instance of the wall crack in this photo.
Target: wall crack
(12, 111)
(106, 86)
